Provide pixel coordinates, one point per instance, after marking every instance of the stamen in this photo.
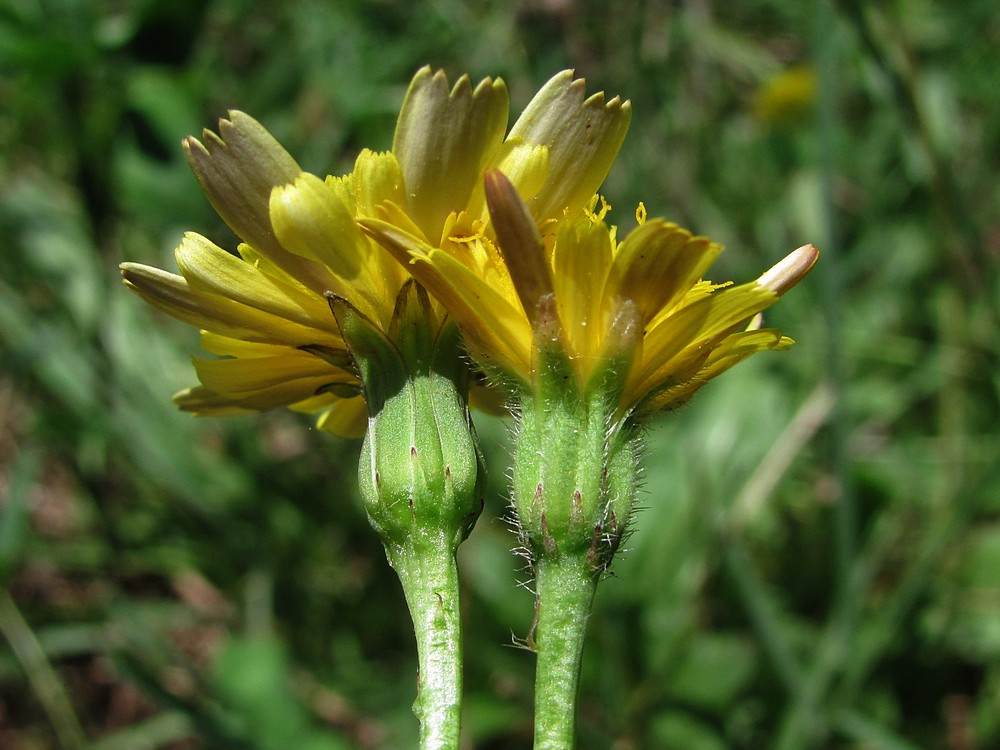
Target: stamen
(640, 213)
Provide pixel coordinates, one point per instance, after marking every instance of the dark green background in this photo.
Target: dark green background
(817, 564)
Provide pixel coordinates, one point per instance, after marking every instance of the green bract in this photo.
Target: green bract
(575, 468)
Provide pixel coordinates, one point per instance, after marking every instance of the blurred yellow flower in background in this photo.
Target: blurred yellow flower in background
(786, 98)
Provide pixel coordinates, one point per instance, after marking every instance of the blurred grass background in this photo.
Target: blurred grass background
(818, 561)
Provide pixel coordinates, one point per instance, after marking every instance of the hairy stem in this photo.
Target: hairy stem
(566, 587)
(429, 575)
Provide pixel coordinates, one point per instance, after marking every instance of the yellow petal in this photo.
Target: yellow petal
(346, 418)
(656, 265)
(173, 295)
(201, 401)
(693, 327)
(334, 353)
(237, 170)
(206, 402)
(526, 165)
(394, 214)
(444, 138)
(311, 220)
(377, 178)
(292, 372)
(583, 135)
(580, 263)
(223, 345)
(733, 350)
(209, 268)
(493, 325)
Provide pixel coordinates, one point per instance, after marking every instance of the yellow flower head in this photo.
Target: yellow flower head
(633, 318)
(266, 312)
(786, 98)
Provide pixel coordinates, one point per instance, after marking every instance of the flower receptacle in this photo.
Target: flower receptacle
(421, 471)
(575, 458)
(574, 481)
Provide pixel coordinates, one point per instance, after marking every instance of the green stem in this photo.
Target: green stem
(429, 575)
(566, 587)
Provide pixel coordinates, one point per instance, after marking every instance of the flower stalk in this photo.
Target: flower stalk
(429, 576)
(421, 477)
(565, 587)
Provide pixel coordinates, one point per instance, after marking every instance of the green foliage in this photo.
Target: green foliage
(817, 563)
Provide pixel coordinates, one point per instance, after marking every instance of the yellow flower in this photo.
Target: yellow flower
(266, 313)
(634, 318)
(786, 98)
